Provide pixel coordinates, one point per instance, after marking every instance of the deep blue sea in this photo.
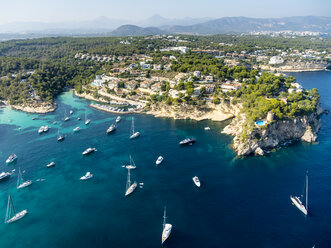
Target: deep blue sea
(241, 203)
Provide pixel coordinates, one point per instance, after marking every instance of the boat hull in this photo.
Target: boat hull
(17, 216)
(296, 201)
(131, 189)
(135, 135)
(25, 184)
(166, 232)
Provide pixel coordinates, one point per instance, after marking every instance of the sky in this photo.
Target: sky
(82, 10)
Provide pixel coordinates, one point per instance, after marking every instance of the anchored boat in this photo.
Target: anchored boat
(11, 215)
(133, 133)
(166, 228)
(297, 200)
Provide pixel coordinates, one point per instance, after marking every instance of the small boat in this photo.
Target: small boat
(118, 119)
(4, 175)
(159, 160)
(130, 187)
(60, 137)
(188, 141)
(207, 128)
(11, 158)
(298, 202)
(11, 215)
(132, 165)
(78, 118)
(46, 129)
(166, 228)
(41, 130)
(33, 118)
(66, 118)
(87, 121)
(76, 129)
(111, 128)
(196, 181)
(20, 182)
(88, 175)
(88, 151)
(71, 112)
(133, 133)
(51, 164)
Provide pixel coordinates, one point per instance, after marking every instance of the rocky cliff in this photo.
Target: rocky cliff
(256, 140)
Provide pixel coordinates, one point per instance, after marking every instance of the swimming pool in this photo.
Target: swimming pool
(260, 123)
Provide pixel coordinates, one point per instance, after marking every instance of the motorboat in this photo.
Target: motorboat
(46, 128)
(87, 121)
(71, 112)
(88, 151)
(118, 119)
(4, 175)
(207, 128)
(51, 164)
(41, 130)
(76, 129)
(196, 181)
(111, 128)
(11, 158)
(188, 141)
(159, 160)
(88, 175)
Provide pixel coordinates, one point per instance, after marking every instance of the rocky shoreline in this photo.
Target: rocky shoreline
(38, 107)
(258, 140)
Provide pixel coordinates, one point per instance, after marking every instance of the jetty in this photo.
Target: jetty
(110, 109)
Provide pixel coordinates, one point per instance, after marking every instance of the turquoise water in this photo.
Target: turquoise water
(241, 203)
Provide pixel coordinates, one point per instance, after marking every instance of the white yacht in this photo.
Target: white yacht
(76, 129)
(11, 158)
(207, 128)
(4, 175)
(166, 228)
(41, 130)
(118, 119)
(60, 137)
(20, 182)
(71, 112)
(111, 128)
(46, 129)
(159, 160)
(196, 181)
(51, 164)
(133, 134)
(188, 141)
(298, 202)
(88, 175)
(78, 118)
(87, 121)
(11, 215)
(88, 151)
(132, 165)
(130, 187)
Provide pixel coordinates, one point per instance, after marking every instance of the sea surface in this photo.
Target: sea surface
(241, 203)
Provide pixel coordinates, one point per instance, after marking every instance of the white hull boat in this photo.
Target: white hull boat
(76, 129)
(87, 176)
(20, 182)
(133, 133)
(196, 181)
(118, 119)
(166, 228)
(11, 158)
(4, 175)
(88, 151)
(298, 203)
(111, 129)
(11, 215)
(51, 164)
(159, 160)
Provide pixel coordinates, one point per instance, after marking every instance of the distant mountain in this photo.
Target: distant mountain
(132, 30)
(245, 25)
(160, 25)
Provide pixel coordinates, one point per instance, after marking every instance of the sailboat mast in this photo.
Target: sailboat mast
(19, 176)
(128, 183)
(164, 216)
(11, 201)
(8, 210)
(132, 125)
(307, 191)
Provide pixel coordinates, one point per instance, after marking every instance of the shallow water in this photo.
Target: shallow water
(241, 203)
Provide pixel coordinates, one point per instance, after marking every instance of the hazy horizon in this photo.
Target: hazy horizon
(84, 10)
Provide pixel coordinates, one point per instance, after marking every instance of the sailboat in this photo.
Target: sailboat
(131, 165)
(11, 215)
(66, 118)
(166, 228)
(298, 202)
(130, 187)
(60, 137)
(20, 182)
(133, 134)
(87, 121)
